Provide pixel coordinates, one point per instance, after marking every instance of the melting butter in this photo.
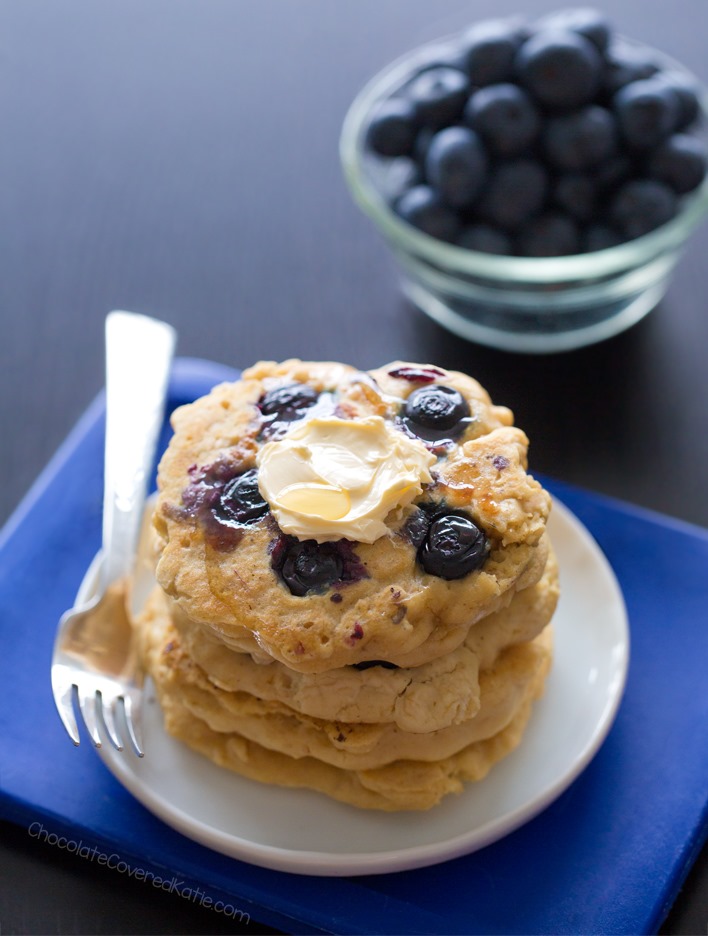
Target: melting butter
(316, 500)
(331, 478)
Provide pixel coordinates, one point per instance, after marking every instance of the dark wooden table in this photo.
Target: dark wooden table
(180, 159)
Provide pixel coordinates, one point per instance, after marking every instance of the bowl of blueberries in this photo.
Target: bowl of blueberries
(536, 181)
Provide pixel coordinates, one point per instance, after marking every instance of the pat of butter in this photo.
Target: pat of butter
(332, 478)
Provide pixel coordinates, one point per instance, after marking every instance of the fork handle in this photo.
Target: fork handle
(139, 353)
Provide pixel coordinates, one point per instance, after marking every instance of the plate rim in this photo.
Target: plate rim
(339, 864)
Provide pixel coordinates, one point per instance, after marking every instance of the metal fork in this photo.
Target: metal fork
(94, 651)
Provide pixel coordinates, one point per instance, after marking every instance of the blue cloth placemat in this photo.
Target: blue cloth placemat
(607, 857)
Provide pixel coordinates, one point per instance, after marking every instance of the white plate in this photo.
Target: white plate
(306, 832)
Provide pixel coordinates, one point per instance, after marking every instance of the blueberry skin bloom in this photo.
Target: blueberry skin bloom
(505, 117)
(456, 165)
(561, 69)
(647, 112)
(580, 140)
(424, 209)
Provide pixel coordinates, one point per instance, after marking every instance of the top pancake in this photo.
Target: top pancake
(223, 577)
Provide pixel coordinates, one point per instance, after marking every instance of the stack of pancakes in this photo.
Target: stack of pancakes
(389, 688)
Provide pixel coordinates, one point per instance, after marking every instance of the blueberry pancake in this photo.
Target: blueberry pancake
(326, 517)
(418, 699)
(366, 765)
(501, 691)
(354, 579)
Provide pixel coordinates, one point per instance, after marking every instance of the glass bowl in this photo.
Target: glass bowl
(513, 303)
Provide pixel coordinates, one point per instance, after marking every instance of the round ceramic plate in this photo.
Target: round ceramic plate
(306, 832)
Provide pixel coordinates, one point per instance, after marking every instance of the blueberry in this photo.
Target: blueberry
(647, 112)
(456, 165)
(310, 566)
(687, 96)
(424, 209)
(284, 405)
(206, 483)
(397, 176)
(392, 128)
(486, 239)
(436, 407)
(561, 69)
(581, 139)
(624, 63)
(454, 546)
(288, 402)
(515, 191)
(611, 172)
(504, 116)
(307, 566)
(414, 374)
(550, 235)
(640, 206)
(221, 517)
(421, 145)
(367, 664)
(599, 237)
(417, 525)
(576, 194)
(438, 95)
(587, 22)
(241, 501)
(679, 162)
(491, 47)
